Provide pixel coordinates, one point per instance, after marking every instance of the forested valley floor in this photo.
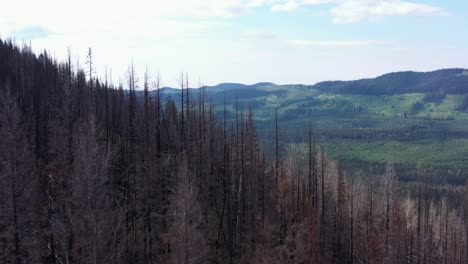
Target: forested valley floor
(92, 172)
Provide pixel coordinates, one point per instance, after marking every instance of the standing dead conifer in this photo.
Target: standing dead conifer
(185, 237)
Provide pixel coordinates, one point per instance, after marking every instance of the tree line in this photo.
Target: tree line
(435, 84)
(92, 172)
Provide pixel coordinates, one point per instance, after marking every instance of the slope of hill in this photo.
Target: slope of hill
(395, 117)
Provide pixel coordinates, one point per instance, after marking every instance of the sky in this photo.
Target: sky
(246, 41)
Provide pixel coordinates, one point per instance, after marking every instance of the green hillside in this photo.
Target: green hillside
(405, 117)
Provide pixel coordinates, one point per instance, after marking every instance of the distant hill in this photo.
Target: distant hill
(448, 80)
(235, 86)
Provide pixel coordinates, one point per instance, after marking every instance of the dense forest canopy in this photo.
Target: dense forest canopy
(91, 172)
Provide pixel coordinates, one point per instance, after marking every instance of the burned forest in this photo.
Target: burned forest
(97, 172)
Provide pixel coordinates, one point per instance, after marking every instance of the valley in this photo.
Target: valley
(407, 118)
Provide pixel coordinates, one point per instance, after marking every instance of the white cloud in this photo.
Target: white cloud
(111, 13)
(106, 13)
(334, 43)
(258, 34)
(158, 33)
(286, 6)
(355, 11)
(350, 11)
(291, 5)
(144, 15)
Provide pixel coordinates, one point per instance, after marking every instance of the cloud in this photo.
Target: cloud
(138, 15)
(159, 33)
(287, 6)
(91, 13)
(335, 43)
(291, 5)
(355, 11)
(258, 34)
(31, 32)
(351, 11)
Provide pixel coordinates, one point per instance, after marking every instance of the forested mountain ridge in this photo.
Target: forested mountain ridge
(96, 173)
(450, 81)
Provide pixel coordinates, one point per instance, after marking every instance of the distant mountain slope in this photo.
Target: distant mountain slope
(222, 87)
(235, 86)
(448, 80)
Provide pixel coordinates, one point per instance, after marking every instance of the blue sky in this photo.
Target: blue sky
(248, 41)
